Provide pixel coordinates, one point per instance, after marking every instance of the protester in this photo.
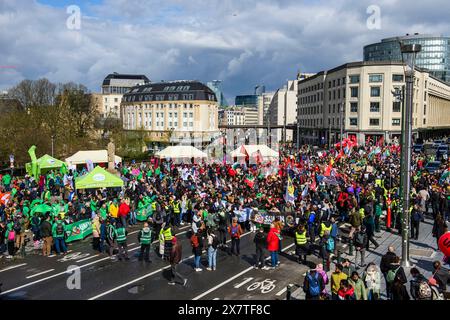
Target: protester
(121, 237)
(175, 259)
(145, 238)
(371, 278)
(336, 277)
(235, 232)
(273, 242)
(213, 244)
(313, 285)
(196, 243)
(358, 286)
(260, 244)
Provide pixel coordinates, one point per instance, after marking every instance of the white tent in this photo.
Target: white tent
(180, 152)
(267, 153)
(96, 156)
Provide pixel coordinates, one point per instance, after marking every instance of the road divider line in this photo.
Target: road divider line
(131, 244)
(279, 293)
(146, 275)
(234, 277)
(13, 267)
(242, 283)
(40, 273)
(88, 258)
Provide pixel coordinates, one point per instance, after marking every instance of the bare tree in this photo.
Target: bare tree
(33, 93)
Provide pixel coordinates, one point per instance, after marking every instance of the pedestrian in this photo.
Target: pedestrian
(336, 278)
(213, 244)
(439, 227)
(124, 210)
(223, 228)
(355, 222)
(166, 232)
(273, 242)
(416, 218)
(174, 259)
(358, 285)
(11, 237)
(103, 234)
(47, 236)
(145, 239)
(111, 236)
(396, 273)
(347, 267)
(301, 244)
(319, 269)
(346, 291)
(96, 233)
(419, 287)
(371, 278)
(360, 241)
(313, 285)
(121, 236)
(58, 232)
(235, 232)
(260, 244)
(279, 225)
(442, 277)
(369, 224)
(398, 290)
(196, 244)
(385, 265)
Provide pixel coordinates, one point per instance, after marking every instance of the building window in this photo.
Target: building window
(424, 121)
(374, 107)
(395, 122)
(375, 78)
(191, 124)
(184, 124)
(397, 78)
(354, 78)
(353, 107)
(374, 122)
(185, 114)
(191, 114)
(375, 91)
(353, 121)
(396, 106)
(354, 92)
(425, 110)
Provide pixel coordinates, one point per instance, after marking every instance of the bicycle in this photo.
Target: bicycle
(266, 286)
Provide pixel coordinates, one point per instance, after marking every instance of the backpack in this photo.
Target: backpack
(390, 277)
(17, 226)
(11, 235)
(314, 285)
(59, 229)
(330, 245)
(424, 291)
(215, 242)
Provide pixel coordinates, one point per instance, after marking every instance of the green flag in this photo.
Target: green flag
(34, 166)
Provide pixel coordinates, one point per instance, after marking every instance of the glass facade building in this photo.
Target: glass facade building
(246, 100)
(435, 54)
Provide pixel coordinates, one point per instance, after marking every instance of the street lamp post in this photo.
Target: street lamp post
(53, 141)
(341, 122)
(410, 51)
(298, 132)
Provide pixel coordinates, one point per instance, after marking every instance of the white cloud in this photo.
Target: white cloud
(241, 42)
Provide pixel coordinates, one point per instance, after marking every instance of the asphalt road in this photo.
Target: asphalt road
(37, 277)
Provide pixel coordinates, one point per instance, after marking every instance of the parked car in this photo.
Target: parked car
(432, 166)
(441, 151)
(417, 148)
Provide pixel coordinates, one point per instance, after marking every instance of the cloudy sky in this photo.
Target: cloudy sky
(241, 42)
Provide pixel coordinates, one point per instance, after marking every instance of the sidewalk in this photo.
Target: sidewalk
(422, 254)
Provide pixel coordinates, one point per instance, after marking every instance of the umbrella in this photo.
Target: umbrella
(42, 208)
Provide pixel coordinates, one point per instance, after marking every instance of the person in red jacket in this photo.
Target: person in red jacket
(346, 291)
(124, 209)
(273, 243)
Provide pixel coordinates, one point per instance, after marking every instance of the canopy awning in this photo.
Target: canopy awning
(255, 150)
(98, 178)
(96, 156)
(180, 152)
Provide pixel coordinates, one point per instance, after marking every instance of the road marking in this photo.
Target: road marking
(132, 244)
(242, 283)
(51, 256)
(279, 293)
(38, 274)
(149, 275)
(216, 299)
(13, 267)
(88, 258)
(232, 278)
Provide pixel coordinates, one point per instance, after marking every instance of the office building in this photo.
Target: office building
(360, 94)
(434, 56)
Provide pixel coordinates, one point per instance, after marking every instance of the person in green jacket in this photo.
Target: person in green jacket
(58, 231)
(121, 238)
(359, 286)
(378, 212)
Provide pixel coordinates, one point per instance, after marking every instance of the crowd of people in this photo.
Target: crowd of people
(308, 194)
